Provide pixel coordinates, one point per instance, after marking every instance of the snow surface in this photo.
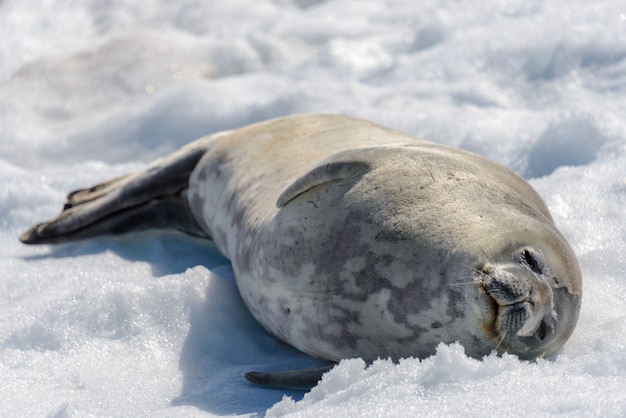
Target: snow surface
(152, 325)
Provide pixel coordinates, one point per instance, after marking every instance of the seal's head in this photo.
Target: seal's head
(531, 299)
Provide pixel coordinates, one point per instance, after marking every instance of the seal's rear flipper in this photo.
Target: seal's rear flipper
(292, 379)
(151, 198)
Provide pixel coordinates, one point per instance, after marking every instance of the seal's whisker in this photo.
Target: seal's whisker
(501, 339)
(474, 269)
(464, 281)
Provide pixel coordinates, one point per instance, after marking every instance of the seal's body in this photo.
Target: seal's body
(351, 240)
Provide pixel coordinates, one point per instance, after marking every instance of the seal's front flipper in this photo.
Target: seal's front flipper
(344, 165)
(151, 198)
(291, 379)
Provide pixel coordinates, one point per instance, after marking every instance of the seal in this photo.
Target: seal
(348, 239)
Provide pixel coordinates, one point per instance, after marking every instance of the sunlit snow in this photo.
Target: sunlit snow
(152, 325)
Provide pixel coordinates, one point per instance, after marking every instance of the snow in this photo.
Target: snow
(152, 325)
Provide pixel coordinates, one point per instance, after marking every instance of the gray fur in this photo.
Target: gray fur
(351, 240)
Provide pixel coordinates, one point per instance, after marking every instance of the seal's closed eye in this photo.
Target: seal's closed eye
(529, 258)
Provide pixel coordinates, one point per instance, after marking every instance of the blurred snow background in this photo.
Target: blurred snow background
(151, 325)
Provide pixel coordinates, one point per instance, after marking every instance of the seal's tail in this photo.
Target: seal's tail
(151, 198)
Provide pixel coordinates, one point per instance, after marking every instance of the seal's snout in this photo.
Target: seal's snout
(523, 303)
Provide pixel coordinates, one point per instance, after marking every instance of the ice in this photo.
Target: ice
(152, 324)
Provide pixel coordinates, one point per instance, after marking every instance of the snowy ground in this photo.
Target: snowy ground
(152, 325)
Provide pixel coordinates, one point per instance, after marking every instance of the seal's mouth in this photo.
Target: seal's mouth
(492, 308)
